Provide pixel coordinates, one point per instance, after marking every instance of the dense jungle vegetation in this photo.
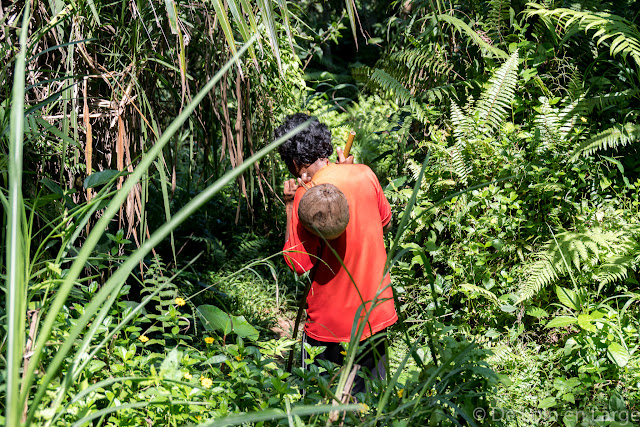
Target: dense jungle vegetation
(143, 219)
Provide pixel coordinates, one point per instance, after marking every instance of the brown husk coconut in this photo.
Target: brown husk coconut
(324, 211)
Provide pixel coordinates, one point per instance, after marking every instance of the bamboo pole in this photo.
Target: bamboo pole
(347, 148)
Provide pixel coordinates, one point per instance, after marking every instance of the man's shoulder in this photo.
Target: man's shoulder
(356, 168)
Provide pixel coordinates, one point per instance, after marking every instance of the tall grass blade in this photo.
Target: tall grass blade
(97, 231)
(15, 282)
(275, 414)
(114, 284)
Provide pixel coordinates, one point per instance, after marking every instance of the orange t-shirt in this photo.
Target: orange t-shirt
(334, 299)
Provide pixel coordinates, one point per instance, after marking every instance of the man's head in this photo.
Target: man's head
(324, 211)
(307, 146)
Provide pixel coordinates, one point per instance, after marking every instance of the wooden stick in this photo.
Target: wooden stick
(347, 148)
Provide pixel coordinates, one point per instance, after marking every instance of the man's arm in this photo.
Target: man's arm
(290, 188)
(386, 227)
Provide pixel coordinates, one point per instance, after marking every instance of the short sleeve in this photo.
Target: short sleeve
(301, 250)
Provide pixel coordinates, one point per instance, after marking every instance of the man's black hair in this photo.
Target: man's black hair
(305, 147)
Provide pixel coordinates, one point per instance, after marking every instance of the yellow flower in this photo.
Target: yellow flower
(344, 353)
(584, 119)
(143, 338)
(180, 301)
(400, 392)
(198, 417)
(238, 358)
(208, 340)
(365, 408)
(187, 375)
(206, 382)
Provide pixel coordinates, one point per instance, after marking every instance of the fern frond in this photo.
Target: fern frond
(390, 84)
(613, 137)
(555, 125)
(583, 249)
(494, 103)
(614, 269)
(465, 30)
(414, 168)
(622, 36)
(482, 291)
(570, 114)
(501, 354)
(251, 247)
(498, 14)
(430, 61)
(606, 100)
(461, 125)
(459, 164)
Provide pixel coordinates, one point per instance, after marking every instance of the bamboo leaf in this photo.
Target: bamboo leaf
(242, 27)
(266, 9)
(223, 19)
(351, 12)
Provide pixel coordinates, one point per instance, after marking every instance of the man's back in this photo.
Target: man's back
(342, 284)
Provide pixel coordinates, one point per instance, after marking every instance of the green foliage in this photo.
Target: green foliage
(622, 36)
(528, 126)
(581, 252)
(614, 137)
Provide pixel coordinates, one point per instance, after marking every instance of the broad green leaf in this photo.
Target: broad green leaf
(567, 297)
(547, 403)
(618, 354)
(100, 178)
(170, 367)
(537, 312)
(584, 321)
(215, 360)
(53, 186)
(561, 321)
(215, 319)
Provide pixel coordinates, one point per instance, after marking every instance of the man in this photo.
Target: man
(343, 286)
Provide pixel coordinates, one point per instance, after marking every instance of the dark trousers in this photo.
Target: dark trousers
(372, 357)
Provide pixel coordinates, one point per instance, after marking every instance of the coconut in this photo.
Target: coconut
(324, 211)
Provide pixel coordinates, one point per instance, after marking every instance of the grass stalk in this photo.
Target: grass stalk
(93, 238)
(15, 282)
